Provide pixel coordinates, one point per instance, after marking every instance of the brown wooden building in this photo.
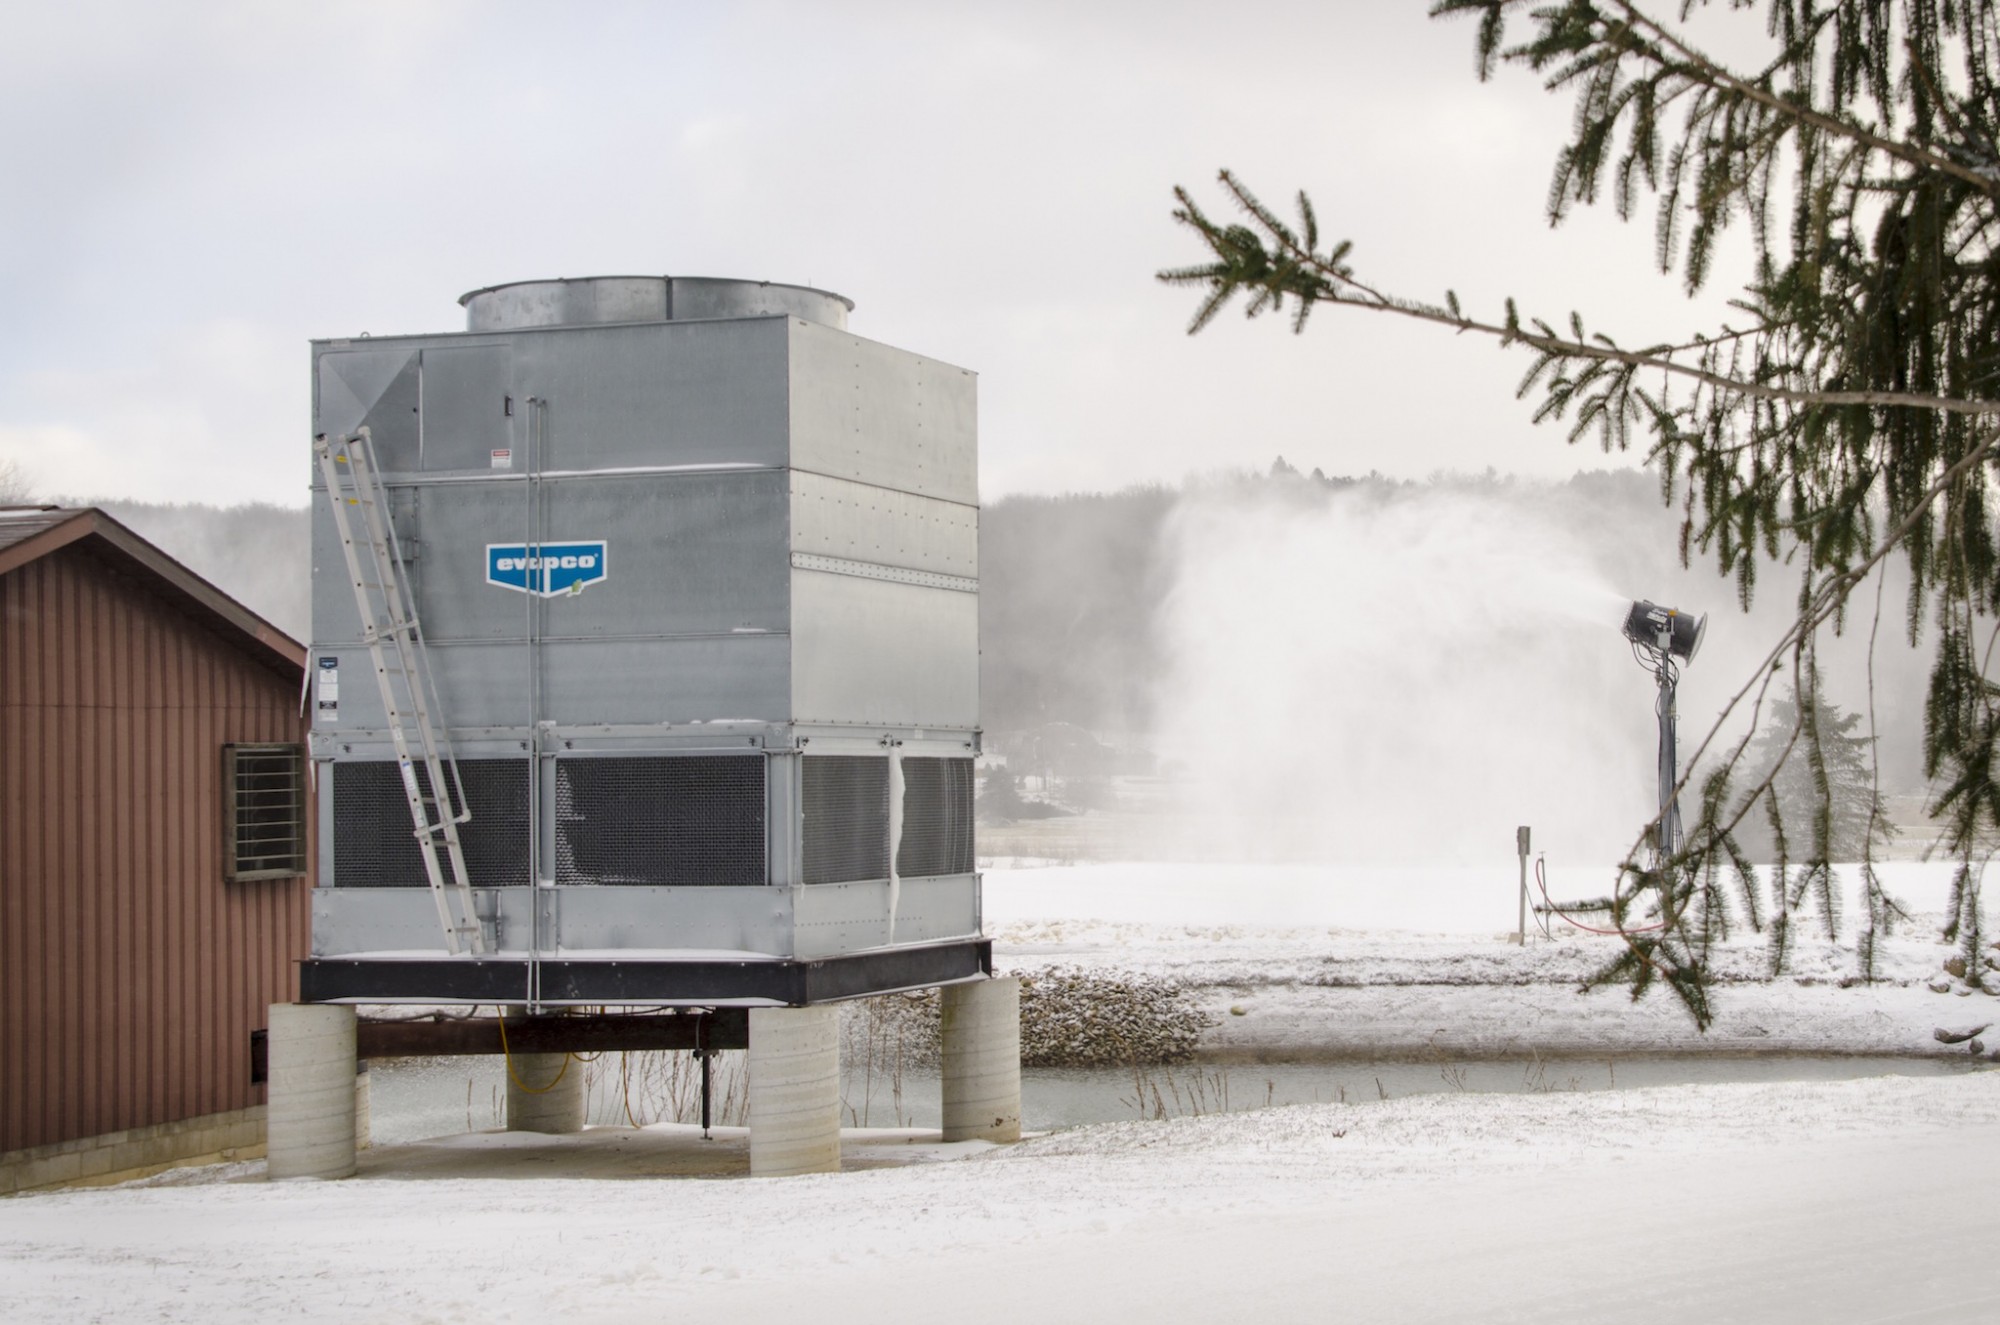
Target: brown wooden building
(155, 852)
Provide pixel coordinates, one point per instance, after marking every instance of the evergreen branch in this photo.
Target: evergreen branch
(1821, 603)
(1290, 269)
(1714, 75)
(1703, 70)
(1832, 594)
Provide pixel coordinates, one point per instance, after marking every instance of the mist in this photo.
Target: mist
(259, 554)
(1404, 673)
(1400, 675)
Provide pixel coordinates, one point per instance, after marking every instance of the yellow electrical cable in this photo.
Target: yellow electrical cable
(519, 1084)
(625, 1085)
(590, 1058)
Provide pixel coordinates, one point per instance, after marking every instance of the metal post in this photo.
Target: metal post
(703, 1055)
(1669, 838)
(531, 493)
(895, 827)
(1521, 849)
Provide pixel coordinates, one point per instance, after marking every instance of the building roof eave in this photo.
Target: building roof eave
(104, 535)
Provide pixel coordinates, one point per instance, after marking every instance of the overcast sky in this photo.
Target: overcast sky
(194, 190)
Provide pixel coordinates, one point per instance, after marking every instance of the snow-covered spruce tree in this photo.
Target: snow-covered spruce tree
(1822, 787)
(1811, 780)
(1851, 414)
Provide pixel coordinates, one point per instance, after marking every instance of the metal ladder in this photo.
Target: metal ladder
(402, 670)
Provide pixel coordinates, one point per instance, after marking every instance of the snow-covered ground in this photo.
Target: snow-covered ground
(1301, 962)
(1865, 1200)
(1853, 1201)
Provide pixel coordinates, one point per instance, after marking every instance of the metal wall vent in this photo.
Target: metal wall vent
(264, 802)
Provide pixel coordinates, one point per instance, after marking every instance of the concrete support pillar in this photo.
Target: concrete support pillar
(309, 1114)
(794, 1091)
(544, 1094)
(981, 1026)
(363, 1109)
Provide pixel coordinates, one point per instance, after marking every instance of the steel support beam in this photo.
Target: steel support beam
(685, 984)
(446, 1036)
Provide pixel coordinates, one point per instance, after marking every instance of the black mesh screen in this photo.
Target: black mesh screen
(937, 818)
(690, 819)
(373, 842)
(845, 835)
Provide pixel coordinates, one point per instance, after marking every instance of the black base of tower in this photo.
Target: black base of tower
(506, 980)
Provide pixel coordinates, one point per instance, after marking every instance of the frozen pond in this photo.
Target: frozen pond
(417, 1098)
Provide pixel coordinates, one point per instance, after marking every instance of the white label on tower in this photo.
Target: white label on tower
(326, 711)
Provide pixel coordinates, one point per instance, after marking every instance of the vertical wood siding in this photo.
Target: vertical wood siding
(131, 975)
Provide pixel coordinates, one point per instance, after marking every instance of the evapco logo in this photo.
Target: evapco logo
(547, 569)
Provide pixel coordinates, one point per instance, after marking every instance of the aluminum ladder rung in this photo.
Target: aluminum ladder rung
(391, 630)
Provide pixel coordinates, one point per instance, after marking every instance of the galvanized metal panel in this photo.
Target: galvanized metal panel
(581, 301)
(524, 304)
(750, 920)
(716, 297)
(693, 553)
(782, 847)
(689, 621)
(880, 652)
(348, 921)
(830, 918)
(357, 921)
(933, 909)
(935, 743)
(702, 679)
(858, 522)
(374, 388)
(656, 395)
(671, 393)
(694, 679)
(334, 616)
(477, 686)
(882, 416)
(835, 918)
(686, 554)
(468, 407)
(320, 782)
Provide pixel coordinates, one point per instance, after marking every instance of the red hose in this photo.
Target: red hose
(1542, 883)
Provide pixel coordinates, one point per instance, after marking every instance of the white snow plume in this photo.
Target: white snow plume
(1385, 674)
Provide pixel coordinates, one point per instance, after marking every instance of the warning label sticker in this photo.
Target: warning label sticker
(326, 711)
